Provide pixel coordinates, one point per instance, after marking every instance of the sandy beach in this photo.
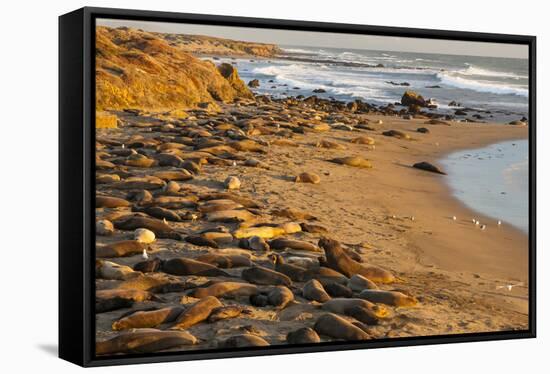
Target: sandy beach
(232, 188)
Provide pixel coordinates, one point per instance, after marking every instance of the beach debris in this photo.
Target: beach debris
(428, 167)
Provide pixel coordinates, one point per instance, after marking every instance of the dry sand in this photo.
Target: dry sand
(452, 267)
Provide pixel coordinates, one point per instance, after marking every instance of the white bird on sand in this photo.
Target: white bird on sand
(123, 146)
(454, 218)
(509, 286)
(144, 255)
(412, 218)
(483, 227)
(499, 222)
(234, 163)
(477, 223)
(473, 220)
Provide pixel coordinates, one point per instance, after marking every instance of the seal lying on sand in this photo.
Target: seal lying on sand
(392, 298)
(313, 290)
(149, 318)
(162, 230)
(264, 276)
(120, 249)
(197, 313)
(144, 341)
(226, 290)
(187, 266)
(244, 340)
(338, 260)
(294, 272)
(337, 327)
(303, 335)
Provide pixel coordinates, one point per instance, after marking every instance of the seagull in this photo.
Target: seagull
(234, 163)
(499, 222)
(454, 218)
(477, 223)
(144, 255)
(483, 227)
(509, 286)
(123, 146)
(473, 220)
(412, 218)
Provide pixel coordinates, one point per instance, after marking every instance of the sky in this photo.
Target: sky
(328, 40)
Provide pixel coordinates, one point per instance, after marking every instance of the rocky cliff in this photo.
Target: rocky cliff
(139, 69)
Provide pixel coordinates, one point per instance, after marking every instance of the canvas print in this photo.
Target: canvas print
(262, 187)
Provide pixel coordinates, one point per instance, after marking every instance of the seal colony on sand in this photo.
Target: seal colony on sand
(252, 222)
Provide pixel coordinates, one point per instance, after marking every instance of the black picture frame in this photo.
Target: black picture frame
(77, 189)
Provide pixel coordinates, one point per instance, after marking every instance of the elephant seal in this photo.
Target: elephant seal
(255, 243)
(148, 266)
(120, 249)
(337, 327)
(313, 290)
(111, 270)
(197, 313)
(161, 229)
(187, 266)
(244, 340)
(428, 167)
(225, 261)
(104, 227)
(266, 232)
(363, 140)
(338, 260)
(225, 290)
(280, 297)
(308, 178)
(259, 300)
(149, 318)
(144, 236)
(231, 215)
(327, 275)
(293, 214)
(304, 335)
(110, 202)
(108, 300)
(158, 212)
(264, 276)
(294, 272)
(201, 241)
(354, 161)
(360, 309)
(359, 283)
(313, 229)
(338, 290)
(393, 298)
(232, 183)
(299, 245)
(144, 341)
(226, 312)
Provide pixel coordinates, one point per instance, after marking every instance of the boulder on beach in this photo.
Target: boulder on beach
(412, 98)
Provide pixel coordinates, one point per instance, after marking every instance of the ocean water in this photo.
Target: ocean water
(493, 180)
(498, 85)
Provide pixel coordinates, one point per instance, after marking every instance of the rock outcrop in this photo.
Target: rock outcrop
(137, 69)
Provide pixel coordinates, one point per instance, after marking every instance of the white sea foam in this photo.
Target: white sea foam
(473, 70)
(454, 80)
